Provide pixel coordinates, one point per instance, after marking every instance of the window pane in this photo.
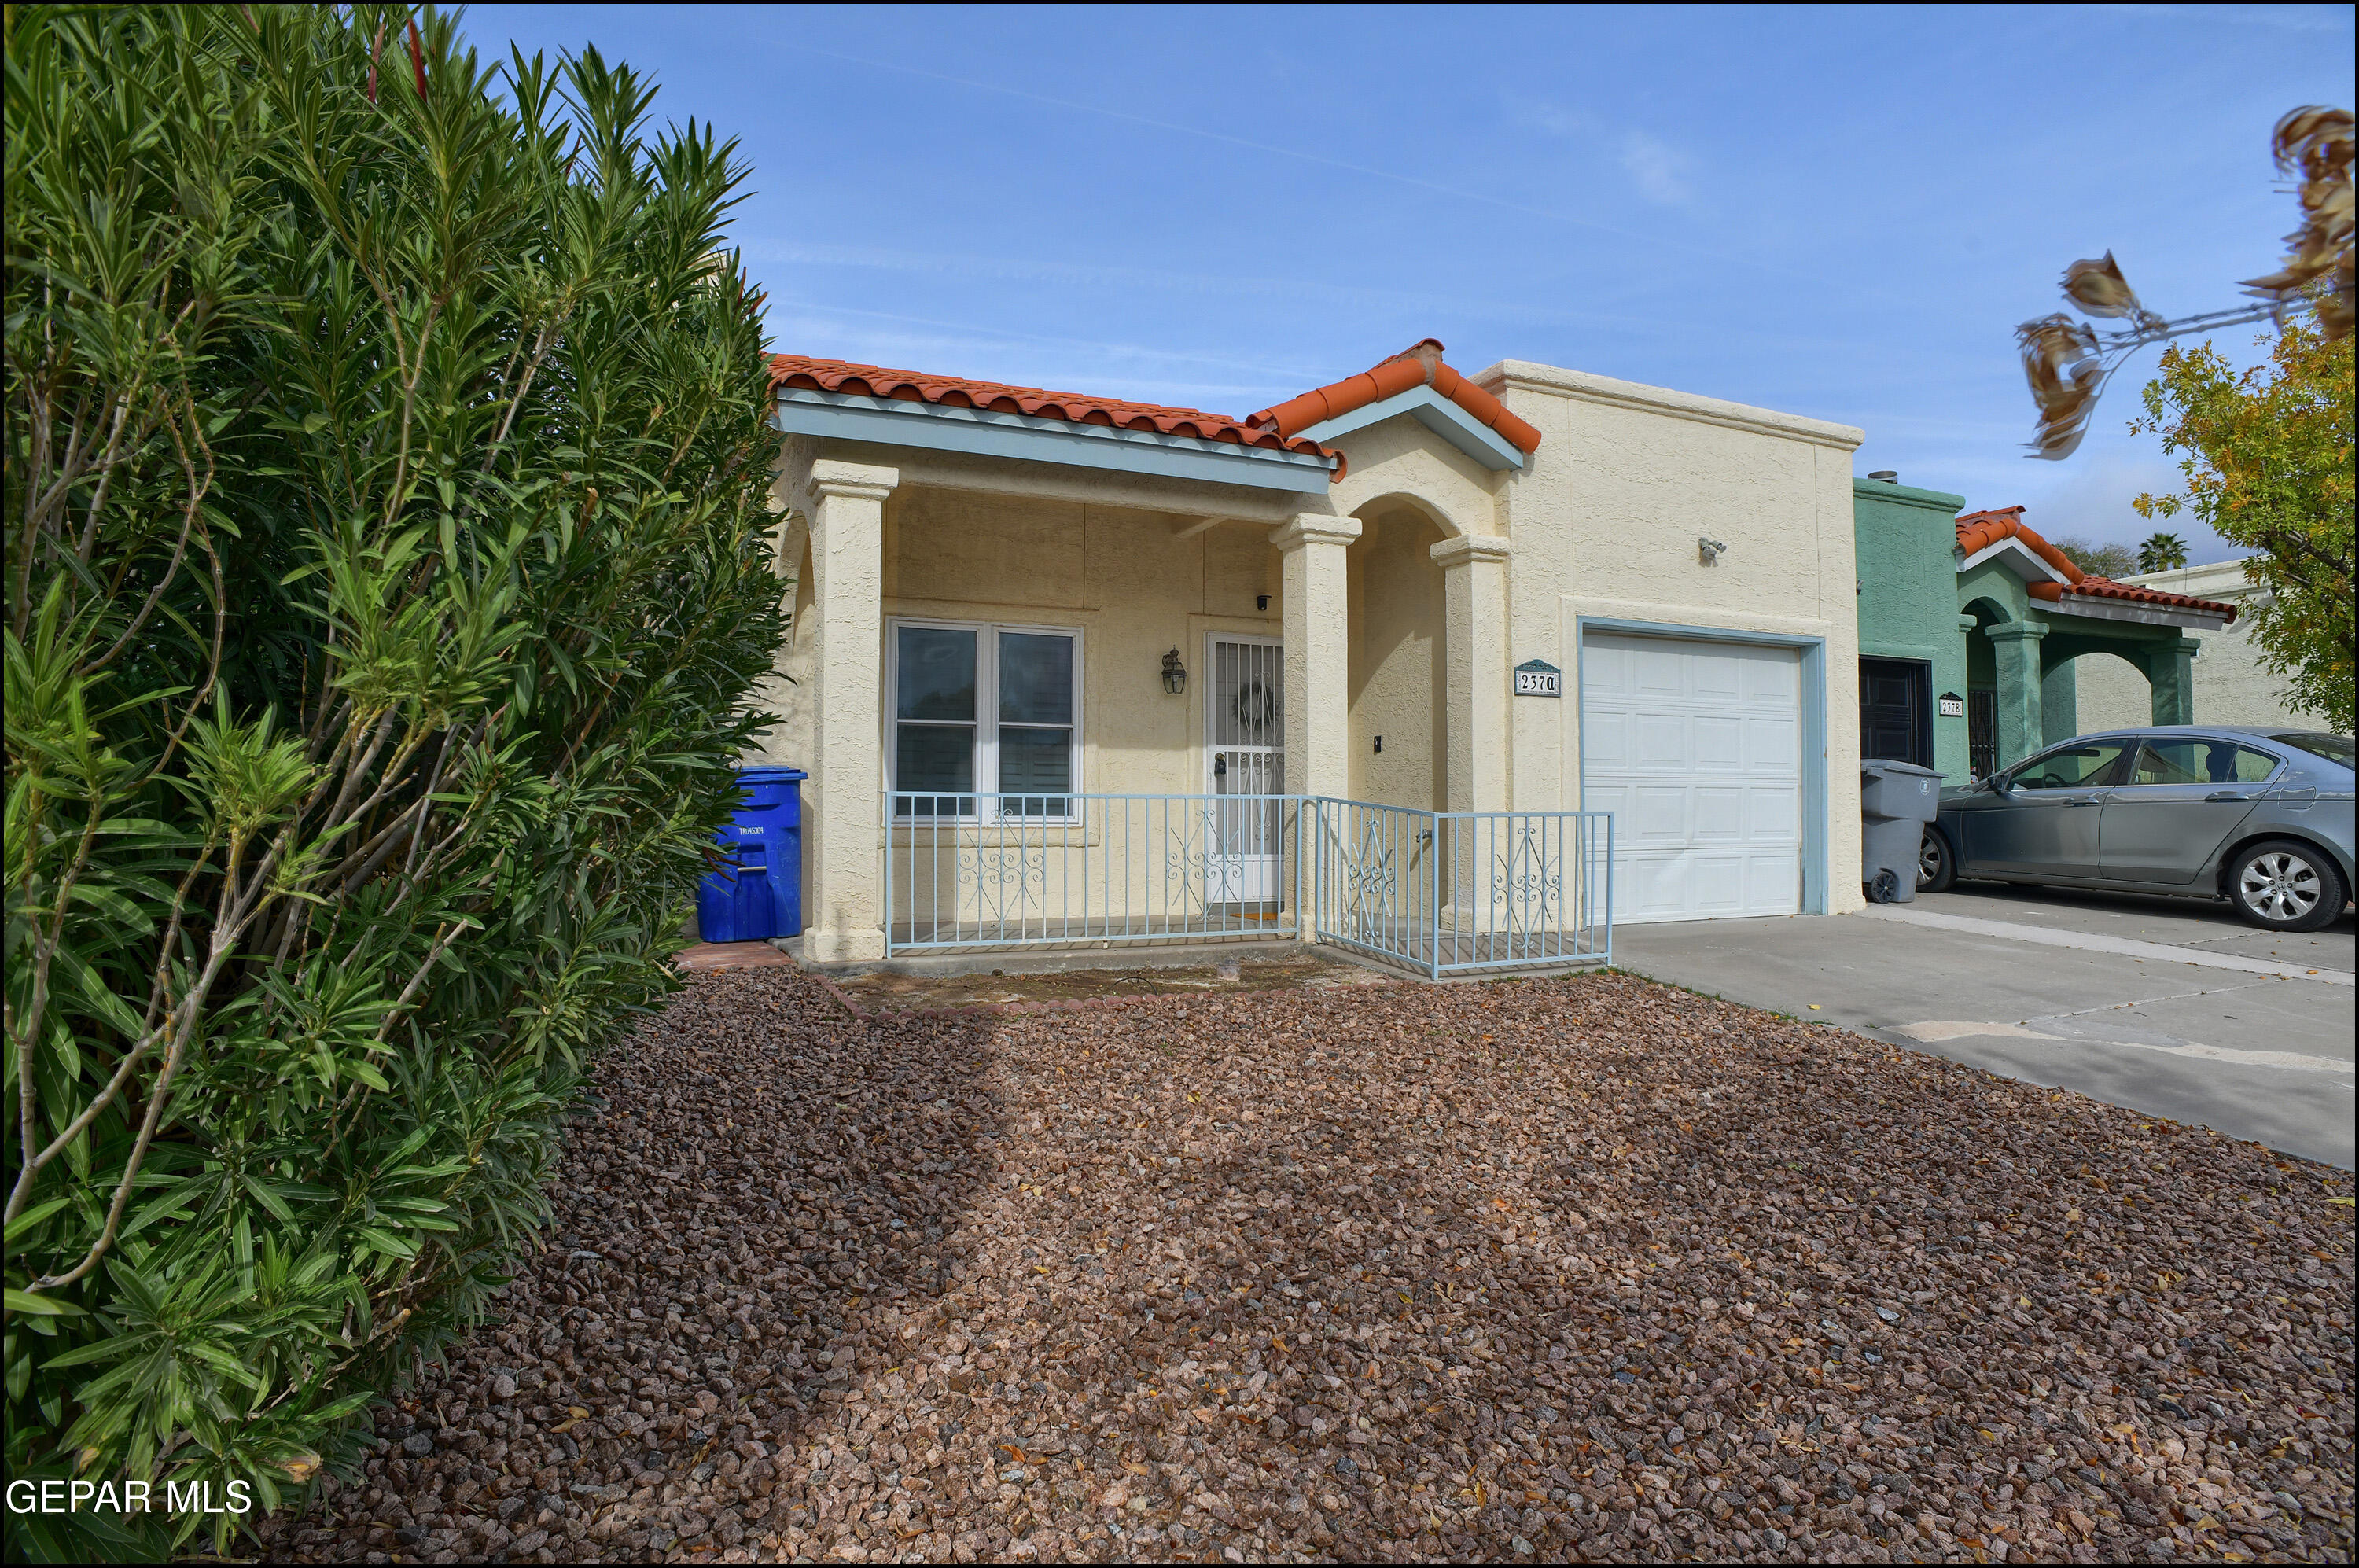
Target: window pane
(2202, 762)
(2333, 747)
(1035, 762)
(2252, 767)
(936, 674)
(933, 756)
(2168, 762)
(1036, 678)
(2070, 767)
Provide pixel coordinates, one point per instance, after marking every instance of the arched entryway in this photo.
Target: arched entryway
(1399, 717)
(2111, 690)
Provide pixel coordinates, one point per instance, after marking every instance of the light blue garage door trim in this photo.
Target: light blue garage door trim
(984, 433)
(1815, 826)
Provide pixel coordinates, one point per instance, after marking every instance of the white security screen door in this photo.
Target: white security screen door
(1246, 735)
(1696, 747)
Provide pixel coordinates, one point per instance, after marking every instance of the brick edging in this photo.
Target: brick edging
(1003, 1009)
(970, 1009)
(833, 989)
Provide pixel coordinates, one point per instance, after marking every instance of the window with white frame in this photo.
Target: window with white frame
(984, 711)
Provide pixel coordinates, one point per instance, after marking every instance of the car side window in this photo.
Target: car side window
(2250, 767)
(2194, 760)
(2081, 766)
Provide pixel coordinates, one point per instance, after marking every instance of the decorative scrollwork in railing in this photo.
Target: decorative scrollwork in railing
(1527, 882)
(1189, 840)
(1371, 883)
(1007, 884)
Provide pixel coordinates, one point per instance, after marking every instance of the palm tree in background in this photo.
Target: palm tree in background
(2162, 552)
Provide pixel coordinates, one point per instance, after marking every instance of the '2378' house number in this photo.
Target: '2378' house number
(1538, 677)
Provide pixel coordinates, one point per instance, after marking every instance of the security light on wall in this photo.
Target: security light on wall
(1175, 674)
(1708, 549)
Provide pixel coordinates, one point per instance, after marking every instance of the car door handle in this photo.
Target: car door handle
(2085, 800)
(2225, 795)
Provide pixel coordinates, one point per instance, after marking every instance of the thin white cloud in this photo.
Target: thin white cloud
(1141, 279)
(1654, 166)
(1719, 253)
(1555, 119)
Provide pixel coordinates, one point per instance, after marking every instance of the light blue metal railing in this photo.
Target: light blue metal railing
(1449, 892)
(1435, 892)
(978, 869)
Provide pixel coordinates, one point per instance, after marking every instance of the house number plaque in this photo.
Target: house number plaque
(1952, 706)
(1538, 677)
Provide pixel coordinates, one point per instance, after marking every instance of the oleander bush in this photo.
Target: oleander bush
(387, 581)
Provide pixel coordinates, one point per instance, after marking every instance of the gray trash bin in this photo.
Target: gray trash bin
(1896, 800)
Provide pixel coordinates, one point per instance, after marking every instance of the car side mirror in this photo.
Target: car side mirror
(2001, 784)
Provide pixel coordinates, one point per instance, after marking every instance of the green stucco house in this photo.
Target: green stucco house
(1970, 622)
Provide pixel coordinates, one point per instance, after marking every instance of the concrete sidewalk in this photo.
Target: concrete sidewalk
(2169, 1006)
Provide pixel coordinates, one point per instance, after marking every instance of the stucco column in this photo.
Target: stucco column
(1318, 663)
(2059, 703)
(2014, 646)
(2171, 671)
(844, 796)
(1475, 663)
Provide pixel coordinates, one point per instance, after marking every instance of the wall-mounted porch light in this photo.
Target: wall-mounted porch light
(1175, 674)
(1708, 549)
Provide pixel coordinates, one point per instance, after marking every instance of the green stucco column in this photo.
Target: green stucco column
(2059, 703)
(2015, 644)
(2170, 670)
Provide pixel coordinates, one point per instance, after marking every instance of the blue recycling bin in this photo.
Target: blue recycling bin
(763, 897)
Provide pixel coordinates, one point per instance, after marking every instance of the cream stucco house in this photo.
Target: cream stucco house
(1050, 652)
(2231, 683)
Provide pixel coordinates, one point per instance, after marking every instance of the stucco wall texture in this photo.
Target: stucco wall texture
(2231, 685)
(1907, 542)
(1604, 525)
(1396, 690)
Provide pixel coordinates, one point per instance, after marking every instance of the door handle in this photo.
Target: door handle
(2085, 800)
(2225, 795)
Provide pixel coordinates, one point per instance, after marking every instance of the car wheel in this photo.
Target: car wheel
(1937, 868)
(2280, 885)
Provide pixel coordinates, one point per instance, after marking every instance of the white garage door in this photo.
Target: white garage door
(1696, 747)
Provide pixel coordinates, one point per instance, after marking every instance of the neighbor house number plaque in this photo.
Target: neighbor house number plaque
(1538, 677)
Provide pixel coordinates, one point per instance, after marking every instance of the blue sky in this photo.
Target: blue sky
(1840, 212)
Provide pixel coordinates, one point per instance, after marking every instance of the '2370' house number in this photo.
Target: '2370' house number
(1538, 677)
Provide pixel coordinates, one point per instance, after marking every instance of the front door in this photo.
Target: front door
(1893, 709)
(1981, 734)
(1244, 723)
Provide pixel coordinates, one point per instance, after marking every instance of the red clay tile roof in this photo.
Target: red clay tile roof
(950, 391)
(1979, 530)
(1417, 366)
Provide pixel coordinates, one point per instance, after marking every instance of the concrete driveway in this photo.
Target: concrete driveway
(2166, 1006)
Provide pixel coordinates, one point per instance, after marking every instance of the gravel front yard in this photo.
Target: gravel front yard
(1583, 1267)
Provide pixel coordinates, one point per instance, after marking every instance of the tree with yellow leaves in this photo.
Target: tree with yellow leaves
(2266, 455)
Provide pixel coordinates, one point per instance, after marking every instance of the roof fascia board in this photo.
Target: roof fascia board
(2017, 557)
(2097, 609)
(1436, 413)
(1521, 374)
(984, 433)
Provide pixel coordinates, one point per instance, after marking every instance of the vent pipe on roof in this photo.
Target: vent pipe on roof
(1889, 475)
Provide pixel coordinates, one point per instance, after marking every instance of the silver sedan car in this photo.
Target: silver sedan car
(2260, 817)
